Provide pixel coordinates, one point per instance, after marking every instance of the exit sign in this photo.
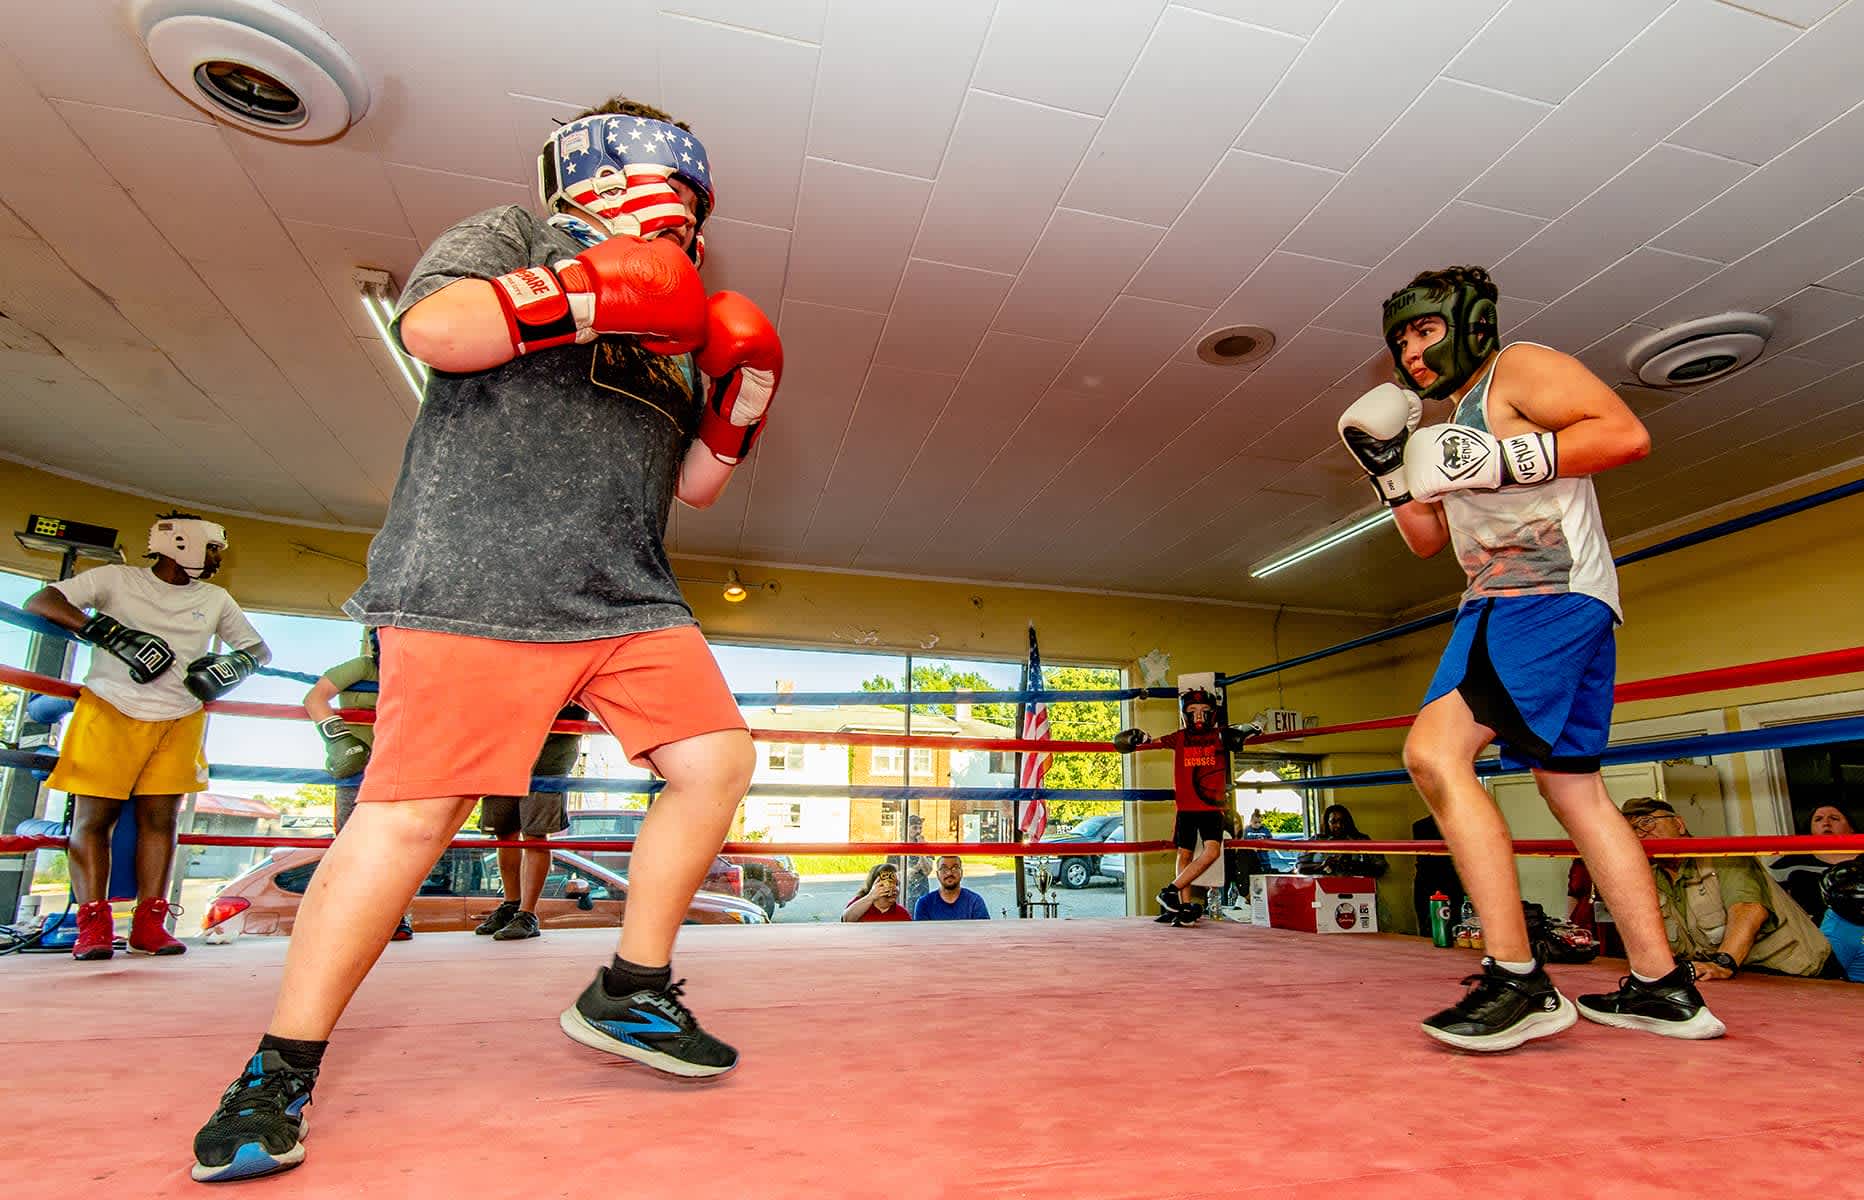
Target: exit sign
(1281, 720)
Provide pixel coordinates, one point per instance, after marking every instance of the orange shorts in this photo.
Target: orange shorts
(467, 716)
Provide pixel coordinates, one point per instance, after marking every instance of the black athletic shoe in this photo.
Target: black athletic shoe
(1169, 899)
(522, 925)
(498, 918)
(649, 1027)
(1671, 1006)
(1502, 1010)
(259, 1127)
(1187, 916)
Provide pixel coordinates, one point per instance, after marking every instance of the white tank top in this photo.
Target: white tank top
(1528, 541)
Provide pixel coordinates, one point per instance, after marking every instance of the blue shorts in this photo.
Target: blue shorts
(1539, 671)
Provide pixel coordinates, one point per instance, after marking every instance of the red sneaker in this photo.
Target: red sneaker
(96, 932)
(148, 931)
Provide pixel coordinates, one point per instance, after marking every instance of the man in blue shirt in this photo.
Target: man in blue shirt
(1842, 889)
(951, 902)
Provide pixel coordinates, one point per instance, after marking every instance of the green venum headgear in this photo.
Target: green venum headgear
(1469, 335)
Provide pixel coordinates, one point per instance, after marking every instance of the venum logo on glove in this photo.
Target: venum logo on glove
(1462, 455)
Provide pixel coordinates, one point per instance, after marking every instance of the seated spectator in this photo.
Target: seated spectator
(1799, 874)
(952, 901)
(1843, 927)
(880, 900)
(1727, 914)
(1336, 825)
(1258, 827)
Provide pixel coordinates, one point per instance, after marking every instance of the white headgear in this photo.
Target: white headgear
(185, 539)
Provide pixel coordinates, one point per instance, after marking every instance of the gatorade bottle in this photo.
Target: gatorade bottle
(1440, 920)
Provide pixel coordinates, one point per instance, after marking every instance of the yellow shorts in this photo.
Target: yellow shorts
(114, 757)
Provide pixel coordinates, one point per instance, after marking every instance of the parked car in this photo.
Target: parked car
(725, 877)
(1078, 870)
(766, 880)
(458, 894)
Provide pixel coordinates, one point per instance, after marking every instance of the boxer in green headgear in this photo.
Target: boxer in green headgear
(1464, 299)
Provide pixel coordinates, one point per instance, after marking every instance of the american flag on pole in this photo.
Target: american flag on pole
(1034, 819)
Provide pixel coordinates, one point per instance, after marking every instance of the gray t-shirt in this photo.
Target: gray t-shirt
(533, 499)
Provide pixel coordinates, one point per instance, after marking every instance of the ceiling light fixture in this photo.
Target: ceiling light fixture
(1339, 532)
(254, 64)
(378, 300)
(734, 588)
(1235, 345)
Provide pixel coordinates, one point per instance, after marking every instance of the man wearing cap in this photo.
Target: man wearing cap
(1726, 914)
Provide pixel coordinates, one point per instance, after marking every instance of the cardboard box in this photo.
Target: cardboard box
(1315, 903)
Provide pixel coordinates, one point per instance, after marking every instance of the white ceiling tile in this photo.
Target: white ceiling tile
(1802, 13)
(940, 316)
(1316, 361)
(925, 52)
(334, 254)
(1192, 91)
(1244, 211)
(1080, 71)
(853, 230)
(1546, 50)
(1850, 279)
(1606, 356)
(1362, 70)
(1842, 347)
(896, 410)
(1008, 163)
(435, 201)
(531, 61)
(1129, 346)
(1283, 295)
(1080, 264)
(142, 376)
(12, 227)
(89, 52)
(1460, 233)
(1413, 172)
(1630, 286)
(1805, 180)
(751, 259)
(1809, 314)
(1311, 428)
(237, 227)
(1774, 271)
(1007, 376)
(754, 129)
(332, 184)
(1299, 17)
(149, 152)
(1803, 87)
(799, 19)
(102, 236)
(826, 354)
(1056, 429)
(1656, 190)
(1633, 101)
(1758, 385)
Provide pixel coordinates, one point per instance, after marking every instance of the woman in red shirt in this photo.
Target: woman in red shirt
(881, 900)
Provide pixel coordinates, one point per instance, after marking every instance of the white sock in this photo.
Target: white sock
(1643, 978)
(1517, 968)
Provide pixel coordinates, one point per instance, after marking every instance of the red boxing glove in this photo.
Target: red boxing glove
(743, 359)
(623, 285)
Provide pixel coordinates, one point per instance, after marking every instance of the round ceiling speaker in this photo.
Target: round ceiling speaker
(1235, 344)
(1698, 351)
(254, 64)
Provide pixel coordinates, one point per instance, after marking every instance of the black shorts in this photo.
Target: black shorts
(537, 815)
(1193, 825)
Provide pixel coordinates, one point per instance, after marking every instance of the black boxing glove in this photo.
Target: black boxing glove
(1235, 735)
(345, 754)
(1128, 740)
(146, 655)
(212, 676)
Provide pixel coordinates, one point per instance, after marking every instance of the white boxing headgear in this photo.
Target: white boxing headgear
(185, 539)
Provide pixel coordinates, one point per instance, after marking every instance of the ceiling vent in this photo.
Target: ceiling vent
(1235, 345)
(254, 64)
(1698, 351)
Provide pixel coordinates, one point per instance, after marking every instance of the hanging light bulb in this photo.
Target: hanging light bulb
(734, 588)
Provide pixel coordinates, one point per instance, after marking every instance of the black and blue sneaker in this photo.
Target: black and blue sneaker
(259, 1127)
(650, 1027)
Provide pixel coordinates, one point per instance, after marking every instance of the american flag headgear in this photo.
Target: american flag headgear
(613, 170)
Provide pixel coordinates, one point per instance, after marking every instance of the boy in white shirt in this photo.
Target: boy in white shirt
(136, 733)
